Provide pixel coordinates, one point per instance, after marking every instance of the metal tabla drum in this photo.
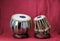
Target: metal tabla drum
(20, 25)
(42, 27)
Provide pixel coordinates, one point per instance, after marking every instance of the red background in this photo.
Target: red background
(49, 8)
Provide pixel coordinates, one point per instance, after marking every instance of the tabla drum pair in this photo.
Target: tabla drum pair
(21, 24)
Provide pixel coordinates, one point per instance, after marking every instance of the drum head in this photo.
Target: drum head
(21, 17)
(39, 17)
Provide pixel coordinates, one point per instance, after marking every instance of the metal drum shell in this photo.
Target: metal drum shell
(20, 30)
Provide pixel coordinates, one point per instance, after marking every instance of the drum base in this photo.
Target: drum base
(42, 36)
(20, 36)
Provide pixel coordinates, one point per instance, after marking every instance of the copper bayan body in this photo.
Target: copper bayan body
(20, 25)
(42, 27)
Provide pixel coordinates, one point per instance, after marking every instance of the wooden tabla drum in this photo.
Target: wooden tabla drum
(42, 27)
(20, 25)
